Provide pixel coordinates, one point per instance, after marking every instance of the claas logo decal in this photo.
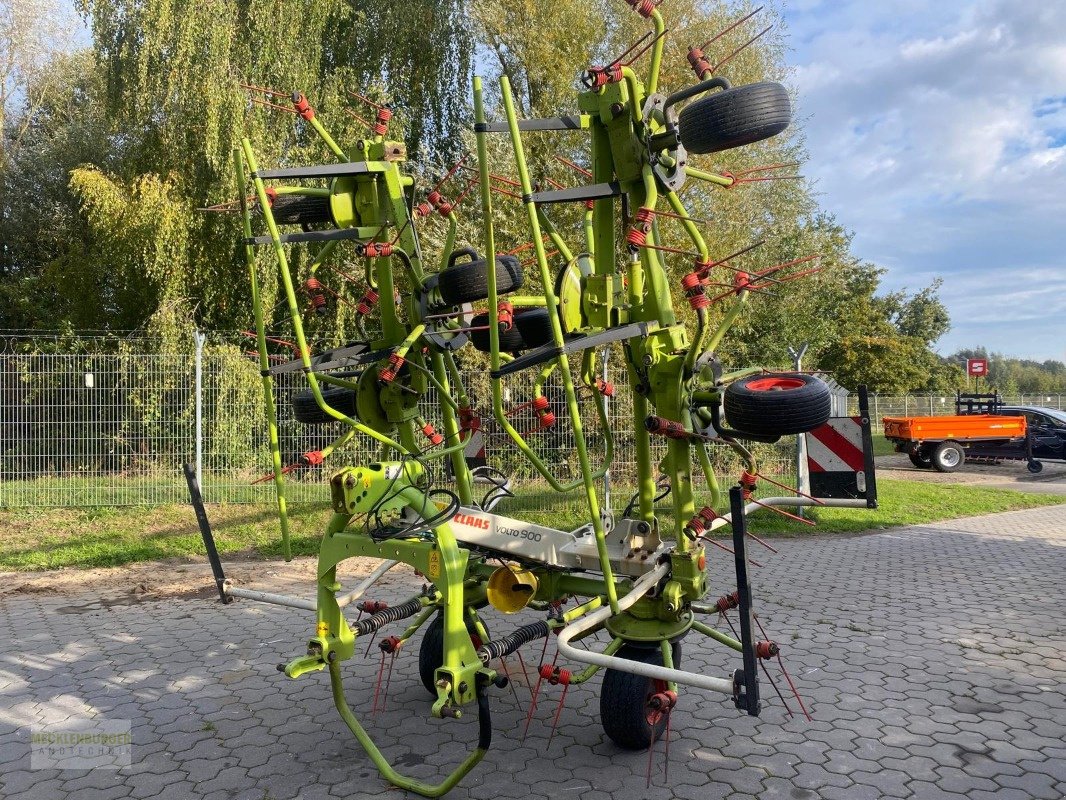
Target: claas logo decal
(472, 521)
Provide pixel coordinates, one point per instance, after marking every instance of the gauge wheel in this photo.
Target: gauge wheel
(624, 698)
(735, 117)
(431, 651)
(777, 404)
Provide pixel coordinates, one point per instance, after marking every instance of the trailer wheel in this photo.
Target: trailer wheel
(431, 651)
(468, 281)
(948, 456)
(777, 404)
(624, 696)
(735, 117)
(1035, 467)
(921, 460)
(306, 409)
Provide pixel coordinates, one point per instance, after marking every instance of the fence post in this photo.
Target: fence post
(199, 338)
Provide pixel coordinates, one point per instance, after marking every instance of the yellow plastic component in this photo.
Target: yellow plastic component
(510, 590)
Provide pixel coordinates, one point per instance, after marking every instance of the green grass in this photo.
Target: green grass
(882, 447)
(54, 538)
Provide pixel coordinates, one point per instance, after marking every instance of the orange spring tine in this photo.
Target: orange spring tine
(558, 712)
(763, 542)
(795, 691)
(729, 550)
(587, 173)
(785, 265)
(740, 49)
(366, 100)
(732, 27)
(644, 49)
(253, 88)
(268, 104)
(631, 48)
(777, 510)
(451, 172)
(766, 168)
(357, 118)
(762, 477)
(773, 683)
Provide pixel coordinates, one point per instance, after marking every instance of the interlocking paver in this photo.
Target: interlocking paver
(931, 656)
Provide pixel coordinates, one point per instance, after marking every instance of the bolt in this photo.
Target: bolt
(443, 683)
(643, 527)
(332, 656)
(617, 109)
(349, 482)
(463, 687)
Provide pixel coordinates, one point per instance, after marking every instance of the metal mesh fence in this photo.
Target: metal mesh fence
(114, 428)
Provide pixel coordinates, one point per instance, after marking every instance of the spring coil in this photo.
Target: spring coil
(379, 620)
(510, 643)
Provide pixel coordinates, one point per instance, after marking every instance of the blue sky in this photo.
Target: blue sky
(937, 133)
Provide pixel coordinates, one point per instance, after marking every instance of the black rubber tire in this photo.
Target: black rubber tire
(623, 695)
(431, 651)
(510, 341)
(948, 456)
(920, 461)
(1035, 467)
(801, 404)
(298, 209)
(535, 326)
(468, 281)
(735, 117)
(305, 409)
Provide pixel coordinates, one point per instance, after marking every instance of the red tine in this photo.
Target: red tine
(732, 27)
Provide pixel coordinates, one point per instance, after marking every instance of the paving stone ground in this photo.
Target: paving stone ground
(932, 658)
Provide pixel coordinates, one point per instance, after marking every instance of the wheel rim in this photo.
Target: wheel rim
(950, 458)
(776, 384)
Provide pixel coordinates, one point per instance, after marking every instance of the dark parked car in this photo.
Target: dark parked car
(1047, 428)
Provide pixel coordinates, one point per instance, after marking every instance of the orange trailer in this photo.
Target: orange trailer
(942, 442)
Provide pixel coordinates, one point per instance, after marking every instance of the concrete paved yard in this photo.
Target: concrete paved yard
(932, 657)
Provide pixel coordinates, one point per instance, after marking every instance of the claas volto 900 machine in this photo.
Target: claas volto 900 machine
(641, 580)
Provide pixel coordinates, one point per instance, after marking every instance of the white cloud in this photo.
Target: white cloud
(937, 133)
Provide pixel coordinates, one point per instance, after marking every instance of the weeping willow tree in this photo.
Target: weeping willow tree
(172, 74)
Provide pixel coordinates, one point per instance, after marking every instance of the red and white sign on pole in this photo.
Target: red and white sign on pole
(977, 367)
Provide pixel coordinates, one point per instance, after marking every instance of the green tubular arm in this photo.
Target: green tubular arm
(264, 362)
(457, 377)
(710, 177)
(656, 51)
(322, 255)
(304, 191)
(590, 235)
(449, 241)
(545, 373)
(494, 336)
(324, 135)
(553, 233)
(708, 473)
(294, 307)
(439, 377)
(633, 83)
(656, 272)
(587, 477)
(729, 318)
(386, 769)
(523, 301)
(701, 247)
(718, 636)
